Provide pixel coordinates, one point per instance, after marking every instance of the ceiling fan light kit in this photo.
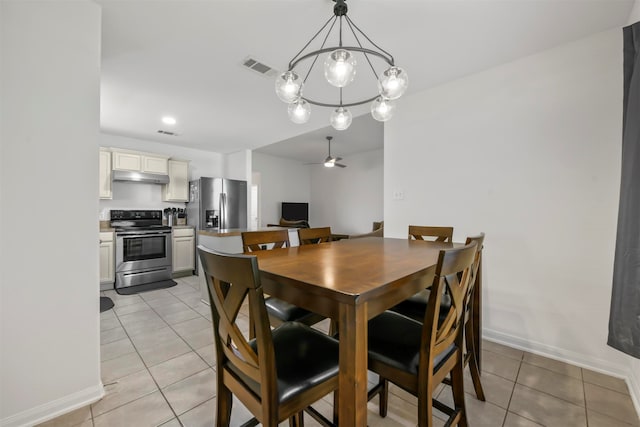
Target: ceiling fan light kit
(340, 69)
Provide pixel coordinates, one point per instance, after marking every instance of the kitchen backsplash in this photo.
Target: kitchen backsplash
(135, 195)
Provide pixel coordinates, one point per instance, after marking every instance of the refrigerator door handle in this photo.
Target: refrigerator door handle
(223, 210)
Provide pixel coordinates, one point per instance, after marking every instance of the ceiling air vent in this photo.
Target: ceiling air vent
(260, 68)
(166, 132)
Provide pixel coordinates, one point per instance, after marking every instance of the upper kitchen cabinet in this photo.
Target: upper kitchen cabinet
(177, 190)
(141, 162)
(105, 174)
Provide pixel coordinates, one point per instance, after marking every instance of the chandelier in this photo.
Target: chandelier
(340, 67)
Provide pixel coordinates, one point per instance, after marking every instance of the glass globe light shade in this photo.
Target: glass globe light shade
(393, 83)
(329, 164)
(299, 111)
(340, 68)
(341, 118)
(288, 86)
(382, 109)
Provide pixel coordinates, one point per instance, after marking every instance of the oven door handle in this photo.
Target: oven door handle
(136, 235)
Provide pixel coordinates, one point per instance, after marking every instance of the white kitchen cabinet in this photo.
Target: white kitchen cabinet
(105, 174)
(183, 249)
(153, 164)
(140, 162)
(107, 260)
(177, 190)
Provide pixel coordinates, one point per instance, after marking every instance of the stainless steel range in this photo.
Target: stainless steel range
(143, 247)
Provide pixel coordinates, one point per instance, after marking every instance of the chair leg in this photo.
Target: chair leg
(223, 406)
(457, 386)
(425, 408)
(297, 420)
(336, 403)
(384, 397)
(473, 361)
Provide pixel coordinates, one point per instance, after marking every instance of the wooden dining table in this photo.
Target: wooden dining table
(351, 281)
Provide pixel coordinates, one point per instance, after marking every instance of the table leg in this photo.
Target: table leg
(477, 315)
(352, 390)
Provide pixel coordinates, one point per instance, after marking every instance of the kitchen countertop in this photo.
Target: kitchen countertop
(229, 232)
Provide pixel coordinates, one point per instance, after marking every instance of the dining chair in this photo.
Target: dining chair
(415, 306)
(281, 372)
(417, 356)
(308, 236)
(279, 311)
(437, 234)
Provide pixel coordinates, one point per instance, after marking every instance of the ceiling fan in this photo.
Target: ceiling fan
(330, 161)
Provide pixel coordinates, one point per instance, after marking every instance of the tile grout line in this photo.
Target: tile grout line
(515, 381)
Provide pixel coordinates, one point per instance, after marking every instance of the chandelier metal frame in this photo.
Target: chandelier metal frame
(339, 12)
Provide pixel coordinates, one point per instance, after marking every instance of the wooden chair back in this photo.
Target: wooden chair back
(475, 267)
(453, 273)
(258, 240)
(437, 234)
(309, 236)
(232, 279)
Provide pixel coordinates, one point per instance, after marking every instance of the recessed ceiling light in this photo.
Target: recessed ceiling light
(167, 120)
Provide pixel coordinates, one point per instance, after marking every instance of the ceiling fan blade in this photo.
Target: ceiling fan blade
(340, 165)
(337, 159)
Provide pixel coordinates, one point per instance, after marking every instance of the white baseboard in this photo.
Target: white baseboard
(55, 408)
(603, 366)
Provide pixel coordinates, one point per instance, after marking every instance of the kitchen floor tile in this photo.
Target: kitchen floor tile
(553, 383)
(191, 391)
(171, 306)
(553, 365)
(546, 409)
(611, 403)
(600, 420)
(208, 353)
(119, 367)
(108, 323)
(172, 423)
(178, 368)
(125, 390)
(497, 364)
(131, 308)
(613, 383)
(73, 418)
(111, 335)
(497, 390)
(484, 414)
(191, 326)
(514, 420)
(116, 349)
(155, 338)
(502, 349)
(163, 351)
(200, 338)
(150, 410)
(204, 414)
(181, 316)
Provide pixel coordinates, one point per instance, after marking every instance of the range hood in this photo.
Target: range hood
(133, 176)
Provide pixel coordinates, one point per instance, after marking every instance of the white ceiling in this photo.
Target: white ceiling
(183, 58)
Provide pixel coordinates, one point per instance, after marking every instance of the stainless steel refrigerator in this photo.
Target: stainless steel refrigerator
(217, 203)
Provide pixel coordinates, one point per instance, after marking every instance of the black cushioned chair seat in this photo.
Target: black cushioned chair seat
(285, 311)
(416, 305)
(294, 342)
(394, 339)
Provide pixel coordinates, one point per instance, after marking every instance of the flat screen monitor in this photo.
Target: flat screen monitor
(295, 211)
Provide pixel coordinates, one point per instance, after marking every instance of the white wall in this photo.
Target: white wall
(49, 310)
(634, 16)
(281, 180)
(528, 152)
(348, 199)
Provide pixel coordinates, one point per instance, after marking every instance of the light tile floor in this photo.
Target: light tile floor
(158, 368)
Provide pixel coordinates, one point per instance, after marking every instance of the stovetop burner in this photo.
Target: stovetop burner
(140, 220)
